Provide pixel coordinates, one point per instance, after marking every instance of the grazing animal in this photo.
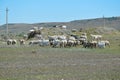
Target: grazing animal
(75, 36)
(11, 41)
(84, 35)
(82, 40)
(52, 39)
(34, 42)
(94, 44)
(71, 38)
(96, 37)
(101, 44)
(88, 44)
(41, 42)
(56, 43)
(61, 37)
(107, 43)
(22, 41)
(33, 33)
(70, 43)
(63, 43)
(44, 42)
(58, 40)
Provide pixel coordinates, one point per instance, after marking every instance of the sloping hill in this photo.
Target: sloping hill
(110, 22)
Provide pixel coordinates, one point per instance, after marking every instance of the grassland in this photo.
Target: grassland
(46, 63)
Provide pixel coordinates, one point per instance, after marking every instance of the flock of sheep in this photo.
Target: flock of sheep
(61, 40)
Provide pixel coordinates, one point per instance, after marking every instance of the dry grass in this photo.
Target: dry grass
(46, 63)
(58, 63)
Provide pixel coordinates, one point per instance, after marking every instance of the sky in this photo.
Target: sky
(38, 11)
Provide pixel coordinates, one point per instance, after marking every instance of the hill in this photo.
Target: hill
(110, 22)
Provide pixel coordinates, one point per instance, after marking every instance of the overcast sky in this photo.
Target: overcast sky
(34, 11)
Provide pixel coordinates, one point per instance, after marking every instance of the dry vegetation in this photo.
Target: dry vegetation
(38, 63)
(76, 63)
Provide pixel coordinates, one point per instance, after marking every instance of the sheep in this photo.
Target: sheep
(94, 43)
(96, 37)
(56, 43)
(107, 43)
(101, 44)
(11, 41)
(34, 42)
(44, 42)
(84, 35)
(22, 41)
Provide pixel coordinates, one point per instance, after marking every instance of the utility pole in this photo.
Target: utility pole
(7, 22)
(103, 21)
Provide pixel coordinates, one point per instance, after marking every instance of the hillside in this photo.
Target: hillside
(110, 22)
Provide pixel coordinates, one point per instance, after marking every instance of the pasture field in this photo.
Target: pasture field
(46, 63)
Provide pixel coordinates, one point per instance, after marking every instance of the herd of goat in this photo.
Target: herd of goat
(62, 40)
